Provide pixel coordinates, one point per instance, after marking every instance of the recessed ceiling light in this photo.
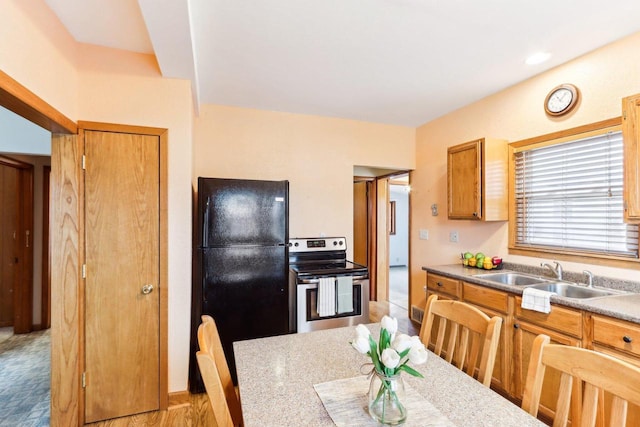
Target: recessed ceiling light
(538, 58)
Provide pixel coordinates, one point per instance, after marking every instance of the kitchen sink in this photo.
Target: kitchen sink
(573, 291)
(511, 278)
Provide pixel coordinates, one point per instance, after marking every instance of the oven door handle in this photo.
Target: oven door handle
(314, 281)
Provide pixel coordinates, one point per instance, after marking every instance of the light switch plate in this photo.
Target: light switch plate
(424, 234)
(453, 236)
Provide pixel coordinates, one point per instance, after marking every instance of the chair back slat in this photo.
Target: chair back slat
(453, 338)
(598, 372)
(618, 412)
(210, 343)
(472, 336)
(214, 388)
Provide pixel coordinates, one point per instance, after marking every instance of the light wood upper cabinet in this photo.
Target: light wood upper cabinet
(477, 180)
(631, 137)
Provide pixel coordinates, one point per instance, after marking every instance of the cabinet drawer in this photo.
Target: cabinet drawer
(486, 297)
(617, 334)
(561, 319)
(443, 284)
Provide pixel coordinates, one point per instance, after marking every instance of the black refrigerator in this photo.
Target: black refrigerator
(240, 263)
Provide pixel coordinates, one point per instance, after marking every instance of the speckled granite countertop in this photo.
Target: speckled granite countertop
(625, 306)
(276, 376)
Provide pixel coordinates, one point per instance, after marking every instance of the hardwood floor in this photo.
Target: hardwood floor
(194, 410)
(377, 309)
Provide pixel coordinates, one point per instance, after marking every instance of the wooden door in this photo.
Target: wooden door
(8, 242)
(365, 249)
(122, 339)
(16, 235)
(360, 223)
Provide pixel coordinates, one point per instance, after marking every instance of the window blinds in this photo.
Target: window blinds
(569, 196)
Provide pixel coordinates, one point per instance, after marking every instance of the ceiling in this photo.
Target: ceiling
(402, 62)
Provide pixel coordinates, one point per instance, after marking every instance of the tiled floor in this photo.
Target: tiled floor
(25, 371)
(399, 286)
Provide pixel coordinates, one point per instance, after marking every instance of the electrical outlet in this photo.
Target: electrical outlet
(424, 234)
(453, 236)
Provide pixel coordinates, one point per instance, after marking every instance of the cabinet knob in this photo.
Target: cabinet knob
(147, 289)
(516, 326)
(439, 284)
(627, 339)
(475, 214)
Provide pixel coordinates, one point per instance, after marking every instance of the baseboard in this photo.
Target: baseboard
(179, 399)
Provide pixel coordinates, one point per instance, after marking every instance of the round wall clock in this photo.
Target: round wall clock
(561, 100)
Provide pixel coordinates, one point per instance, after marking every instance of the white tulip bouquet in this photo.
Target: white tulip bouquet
(390, 356)
(392, 352)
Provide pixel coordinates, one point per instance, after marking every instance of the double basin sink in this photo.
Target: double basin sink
(562, 288)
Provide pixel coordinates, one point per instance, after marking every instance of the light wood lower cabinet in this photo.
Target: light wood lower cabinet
(619, 339)
(494, 303)
(441, 285)
(445, 288)
(563, 325)
(524, 334)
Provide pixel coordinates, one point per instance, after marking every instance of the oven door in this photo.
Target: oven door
(308, 318)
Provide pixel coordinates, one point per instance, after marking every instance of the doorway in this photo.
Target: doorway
(16, 243)
(399, 241)
(376, 225)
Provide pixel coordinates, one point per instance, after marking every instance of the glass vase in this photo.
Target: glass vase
(386, 394)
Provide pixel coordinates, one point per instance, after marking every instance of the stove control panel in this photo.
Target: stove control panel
(318, 244)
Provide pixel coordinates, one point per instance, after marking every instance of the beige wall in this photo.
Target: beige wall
(316, 154)
(39, 53)
(603, 76)
(126, 88)
(99, 84)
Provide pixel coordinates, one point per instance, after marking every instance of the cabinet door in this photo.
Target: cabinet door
(464, 181)
(122, 342)
(633, 411)
(444, 285)
(524, 334)
(621, 340)
(631, 137)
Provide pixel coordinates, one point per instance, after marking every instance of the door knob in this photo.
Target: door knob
(146, 289)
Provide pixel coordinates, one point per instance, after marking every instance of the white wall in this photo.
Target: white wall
(18, 135)
(399, 242)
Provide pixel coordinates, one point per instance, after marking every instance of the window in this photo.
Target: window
(567, 196)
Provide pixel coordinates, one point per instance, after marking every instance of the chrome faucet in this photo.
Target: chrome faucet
(589, 278)
(557, 270)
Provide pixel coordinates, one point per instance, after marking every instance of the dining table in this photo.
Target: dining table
(297, 379)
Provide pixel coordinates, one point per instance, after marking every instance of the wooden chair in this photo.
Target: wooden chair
(470, 333)
(597, 372)
(222, 390)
